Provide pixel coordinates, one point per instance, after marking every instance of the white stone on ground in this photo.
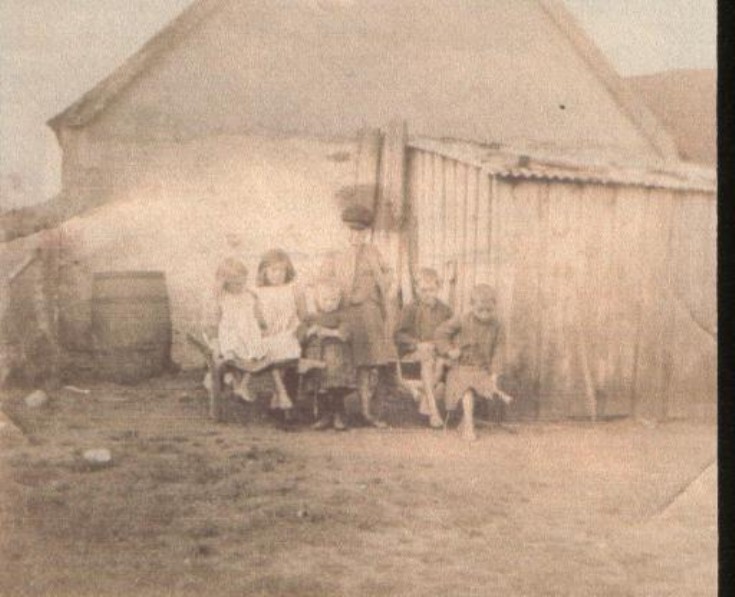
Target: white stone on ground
(98, 456)
(36, 399)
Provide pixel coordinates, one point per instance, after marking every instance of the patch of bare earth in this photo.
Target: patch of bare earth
(189, 507)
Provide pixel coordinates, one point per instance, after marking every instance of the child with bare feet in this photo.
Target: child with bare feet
(281, 302)
(239, 336)
(473, 343)
(415, 340)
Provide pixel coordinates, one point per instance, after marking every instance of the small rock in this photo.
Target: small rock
(98, 456)
(36, 399)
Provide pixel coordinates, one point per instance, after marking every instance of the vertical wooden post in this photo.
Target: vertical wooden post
(367, 168)
(389, 230)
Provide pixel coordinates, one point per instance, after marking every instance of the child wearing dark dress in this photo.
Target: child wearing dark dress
(473, 342)
(415, 340)
(326, 338)
(366, 284)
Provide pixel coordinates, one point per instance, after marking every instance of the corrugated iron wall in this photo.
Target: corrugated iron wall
(607, 291)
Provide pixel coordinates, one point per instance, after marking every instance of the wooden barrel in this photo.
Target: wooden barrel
(131, 325)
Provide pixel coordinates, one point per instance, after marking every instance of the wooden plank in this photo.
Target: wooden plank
(390, 209)
(651, 369)
(494, 218)
(449, 253)
(549, 407)
(598, 294)
(578, 395)
(444, 221)
(437, 197)
(523, 231)
(693, 387)
(449, 210)
(614, 397)
(504, 263)
(542, 293)
(483, 228)
(393, 167)
(428, 206)
(368, 166)
(419, 207)
(470, 232)
(473, 225)
(464, 248)
(415, 186)
(628, 278)
(560, 384)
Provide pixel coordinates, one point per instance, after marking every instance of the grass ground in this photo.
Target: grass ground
(194, 508)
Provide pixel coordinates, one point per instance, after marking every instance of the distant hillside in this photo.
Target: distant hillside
(685, 101)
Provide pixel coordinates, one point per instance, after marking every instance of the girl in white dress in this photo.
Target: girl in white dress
(282, 306)
(239, 323)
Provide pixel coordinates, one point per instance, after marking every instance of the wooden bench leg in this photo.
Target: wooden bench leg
(217, 396)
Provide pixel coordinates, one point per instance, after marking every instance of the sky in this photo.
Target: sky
(52, 51)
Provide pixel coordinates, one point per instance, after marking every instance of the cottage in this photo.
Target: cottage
(241, 117)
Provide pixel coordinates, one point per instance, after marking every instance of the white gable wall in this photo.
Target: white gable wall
(175, 202)
(492, 72)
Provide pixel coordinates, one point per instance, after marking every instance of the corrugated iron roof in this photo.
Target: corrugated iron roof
(514, 164)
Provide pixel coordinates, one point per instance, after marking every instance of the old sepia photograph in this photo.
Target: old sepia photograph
(323, 298)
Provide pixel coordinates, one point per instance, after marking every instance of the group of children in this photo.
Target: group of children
(342, 343)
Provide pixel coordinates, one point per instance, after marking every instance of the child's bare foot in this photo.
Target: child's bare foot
(371, 421)
(468, 435)
(242, 391)
(339, 424)
(467, 432)
(435, 422)
(323, 423)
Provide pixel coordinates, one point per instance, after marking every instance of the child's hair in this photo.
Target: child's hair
(481, 293)
(271, 258)
(230, 269)
(428, 274)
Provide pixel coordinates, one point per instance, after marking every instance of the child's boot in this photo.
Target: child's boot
(325, 413)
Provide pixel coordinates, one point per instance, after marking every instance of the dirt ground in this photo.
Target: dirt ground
(190, 507)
